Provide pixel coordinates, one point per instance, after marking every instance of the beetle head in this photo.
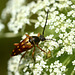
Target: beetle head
(42, 38)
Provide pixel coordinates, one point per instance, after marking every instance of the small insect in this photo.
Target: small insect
(30, 42)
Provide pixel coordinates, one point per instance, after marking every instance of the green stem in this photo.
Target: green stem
(72, 73)
(68, 60)
(9, 35)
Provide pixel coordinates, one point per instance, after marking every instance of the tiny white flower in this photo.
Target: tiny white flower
(57, 30)
(24, 70)
(52, 9)
(63, 29)
(38, 58)
(72, 6)
(51, 66)
(59, 41)
(50, 70)
(40, 18)
(31, 65)
(42, 63)
(63, 68)
(1, 26)
(51, 27)
(41, 13)
(56, 70)
(70, 37)
(61, 35)
(61, 15)
(24, 36)
(37, 25)
(66, 40)
(68, 21)
(42, 24)
(73, 22)
(17, 73)
(73, 62)
(74, 68)
(50, 48)
(16, 31)
(52, 73)
(69, 2)
(73, 15)
(47, 8)
(49, 37)
(32, 34)
(56, 62)
(59, 54)
(27, 73)
(68, 49)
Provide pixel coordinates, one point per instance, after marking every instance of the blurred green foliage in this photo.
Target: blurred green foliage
(6, 45)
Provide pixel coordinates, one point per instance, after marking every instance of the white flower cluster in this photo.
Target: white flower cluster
(53, 19)
(67, 39)
(57, 68)
(28, 67)
(21, 13)
(63, 26)
(26, 64)
(1, 26)
(12, 7)
(14, 67)
(60, 28)
(40, 64)
(50, 44)
(73, 62)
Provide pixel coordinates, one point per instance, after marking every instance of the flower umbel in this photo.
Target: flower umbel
(60, 28)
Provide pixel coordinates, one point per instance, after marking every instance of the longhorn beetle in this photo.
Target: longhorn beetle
(30, 42)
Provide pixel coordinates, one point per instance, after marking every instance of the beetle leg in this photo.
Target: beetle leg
(41, 49)
(22, 57)
(16, 44)
(27, 35)
(33, 53)
(38, 34)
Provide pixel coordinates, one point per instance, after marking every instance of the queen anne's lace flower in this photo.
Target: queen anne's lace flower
(56, 68)
(60, 32)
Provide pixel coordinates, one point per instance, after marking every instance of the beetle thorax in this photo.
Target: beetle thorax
(34, 40)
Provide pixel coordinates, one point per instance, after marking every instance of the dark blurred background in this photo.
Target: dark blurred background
(6, 46)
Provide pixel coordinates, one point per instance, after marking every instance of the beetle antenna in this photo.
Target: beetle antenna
(51, 39)
(45, 23)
